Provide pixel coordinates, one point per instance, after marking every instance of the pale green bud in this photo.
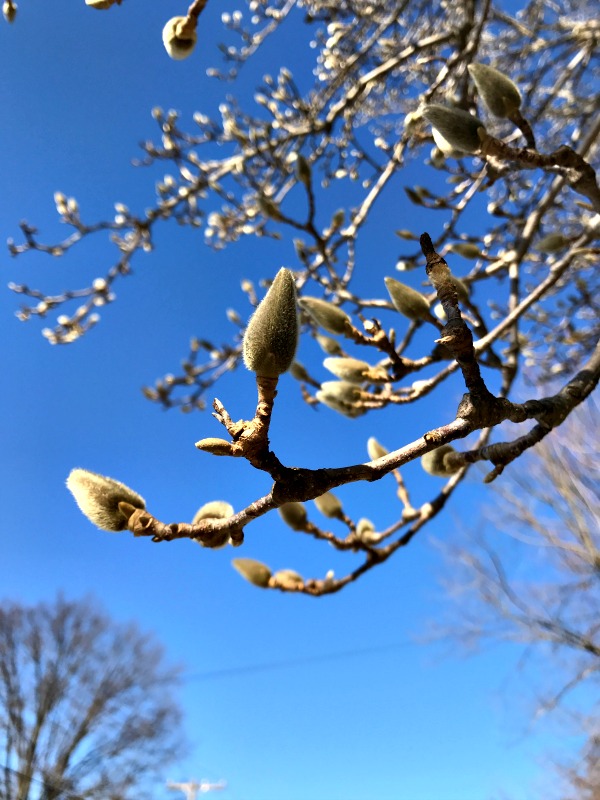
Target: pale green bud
(465, 249)
(331, 401)
(341, 391)
(254, 572)
(552, 243)
(498, 92)
(272, 334)
(459, 128)
(434, 462)
(294, 515)
(298, 371)
(355, 371)
(329, 505)
(179, 38)
(98, 497)
(217, 447)
(325, 314)
(375, 449)
(303, 170)
(407, 300)
(330, 346)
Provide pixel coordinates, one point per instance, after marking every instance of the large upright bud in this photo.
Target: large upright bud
(272, 334)
(98, 497)
(498, 92)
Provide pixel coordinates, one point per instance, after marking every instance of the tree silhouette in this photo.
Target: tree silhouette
(499, 110)
(86, 706)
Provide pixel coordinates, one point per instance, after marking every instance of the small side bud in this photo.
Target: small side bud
(355, 370)
(500, 95)
(459, 128)
(434, 462)
(325, 314)
(215, 509)
(552, 243)
(303, 171)
(98, 497)
(329, 345)
(407, 300)
(272, 334)
(179, 38)
(465, 249)
(9, 10)
(329, 505)
(375, 449)
(294, 515)
(217, 447)
(288, 579)
(255, 572)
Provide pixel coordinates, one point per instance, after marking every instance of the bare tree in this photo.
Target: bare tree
(86, 704)
(544, 591)
(499, 109)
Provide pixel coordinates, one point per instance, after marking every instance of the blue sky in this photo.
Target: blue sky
(286, 696)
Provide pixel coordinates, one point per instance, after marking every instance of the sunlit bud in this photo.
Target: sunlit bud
(407, 300)
(272, 334)
(61, 202)
(217, 447)
(338, 219)
(465, 249)
(329, 505)
(303, 171)
(330, 346)
(375, 449)
(9, 10)
(434, 462)
(101, 3)
(498, 92)
(253, 571)
(552, 243)
(288, 579)
(98, 497)
(294, 515)
(404, 233)
(179, 38)
(340, 391)
(216, 509)
(325, 314)
(365, 531)
(458, 127)
(355, 371)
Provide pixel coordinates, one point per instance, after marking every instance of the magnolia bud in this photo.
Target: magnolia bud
(303, 170)
(325, 314)
(341, 391)
(329, 345)
(329, 505)
(217, 447)
(216, 509)
(434, 462)
(459, 128)
(272, 334)
(98, 497)
(9, 10)
(253, 571)
(101, 3)
(498, 92)
(365, 531)
(331, 401)
(465, 249)
(179, 38)
(294, 515)
(354, 370)
(407, 300)
(298, 371)
(375, 450)
(552, 243)
(288, 579)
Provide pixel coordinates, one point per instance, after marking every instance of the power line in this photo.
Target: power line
(246, 669)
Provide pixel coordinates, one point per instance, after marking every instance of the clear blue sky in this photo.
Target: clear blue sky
(287, 697)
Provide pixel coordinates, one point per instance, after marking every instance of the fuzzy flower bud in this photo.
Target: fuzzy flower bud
(217, 447)
(329, 505)
(303, 170)
(434, 462)
(375, 449)
(498, 92)
(407, 300)
(9, 10)
(255, 572)
(294, 515)
(272, 334)
(179, 38)
(325, 314)
(98, 497)
(216, 509)
(459, 128)
(288, 579)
